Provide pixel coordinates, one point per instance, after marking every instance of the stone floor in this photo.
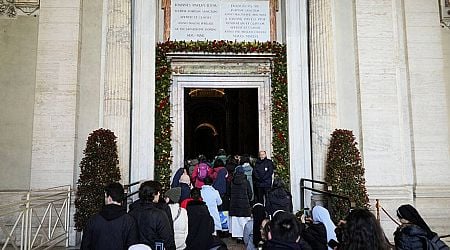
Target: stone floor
(233, 245)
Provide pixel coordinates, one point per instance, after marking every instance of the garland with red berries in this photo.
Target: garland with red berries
(163, 124)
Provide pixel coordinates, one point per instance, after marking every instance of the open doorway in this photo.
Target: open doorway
(216, 118)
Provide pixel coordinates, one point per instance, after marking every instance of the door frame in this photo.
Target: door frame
(181, 82)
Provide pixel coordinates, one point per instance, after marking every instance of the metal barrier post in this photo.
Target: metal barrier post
(302, 194)
(25, 232)
(67, 216)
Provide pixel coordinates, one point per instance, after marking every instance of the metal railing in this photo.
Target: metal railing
(39, 220)
(129, 193)
(327, 192)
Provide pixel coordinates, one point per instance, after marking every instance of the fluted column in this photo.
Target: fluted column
(322, 80)
(117, 80)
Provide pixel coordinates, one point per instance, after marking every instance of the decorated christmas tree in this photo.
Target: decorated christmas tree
(345, 173)
(99, 167)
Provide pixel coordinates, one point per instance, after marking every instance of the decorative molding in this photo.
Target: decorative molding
(7, 8)
(14, 8)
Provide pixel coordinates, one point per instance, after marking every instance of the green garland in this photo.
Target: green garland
(163, 125)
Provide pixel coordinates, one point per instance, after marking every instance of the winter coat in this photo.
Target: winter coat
(185, 191)
(220, 180)
(240, 196)
(410, 236)
(281, 245)
(278, 199)
(112, 228)
(262, 173)
(180, 225)
(200, 226)
(153, 224)
(176, 178)
(162, 205)
(248, 170)
(316, 236)
(212, 199)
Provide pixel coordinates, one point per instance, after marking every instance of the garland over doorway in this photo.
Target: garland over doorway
(163, 124)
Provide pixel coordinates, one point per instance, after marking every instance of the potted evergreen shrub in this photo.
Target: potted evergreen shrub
(345, 174)
(99, 167)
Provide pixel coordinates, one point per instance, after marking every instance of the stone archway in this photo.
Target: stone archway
(216, 71)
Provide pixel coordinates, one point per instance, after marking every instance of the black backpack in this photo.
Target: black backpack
(435, 243)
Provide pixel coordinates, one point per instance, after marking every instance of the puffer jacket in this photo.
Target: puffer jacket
(180, 225)
(153, 225)
(409, 236)
(241, 194)
(248, 170)
(278, 199)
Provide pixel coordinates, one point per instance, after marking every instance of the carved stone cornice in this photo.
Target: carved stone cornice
(14, 8)
(7, 8)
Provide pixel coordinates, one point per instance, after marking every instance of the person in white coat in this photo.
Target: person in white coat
(179, 217)
(212, 199)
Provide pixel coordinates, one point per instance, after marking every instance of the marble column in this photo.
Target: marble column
(322, 82)
(117, 79)
(145, 26)
(298, 95)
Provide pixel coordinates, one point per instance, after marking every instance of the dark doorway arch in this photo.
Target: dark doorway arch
(225, 118)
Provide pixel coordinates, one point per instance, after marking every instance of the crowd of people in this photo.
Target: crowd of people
(238, 197)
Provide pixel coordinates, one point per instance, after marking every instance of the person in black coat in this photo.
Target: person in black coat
(200, 224)
(153, 223)
(414, 233)
(262, 176)
(278, 198)
(160, 204)
(240, 195)
(112, 228)
(316, 236)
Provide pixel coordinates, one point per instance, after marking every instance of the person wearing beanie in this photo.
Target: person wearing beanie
(414, 233)
(173, 195)
(179, 217)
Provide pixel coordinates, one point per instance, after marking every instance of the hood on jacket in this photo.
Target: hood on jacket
(112, 211)
(194, 209)
(239, 178)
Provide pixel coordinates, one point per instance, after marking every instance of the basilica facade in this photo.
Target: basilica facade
(378, 68)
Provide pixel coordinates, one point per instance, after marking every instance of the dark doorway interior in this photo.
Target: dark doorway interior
(220, 118)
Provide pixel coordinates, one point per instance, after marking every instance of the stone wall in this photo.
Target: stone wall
(404, 107)
(428, 46)
(18, 44)
(54, 125)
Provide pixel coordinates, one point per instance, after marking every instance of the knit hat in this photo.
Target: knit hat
(185, 179)
(174, 194)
